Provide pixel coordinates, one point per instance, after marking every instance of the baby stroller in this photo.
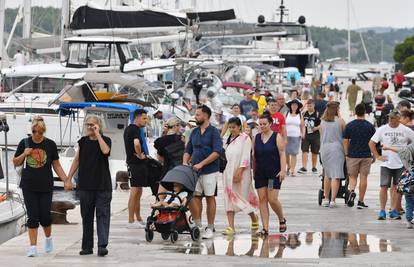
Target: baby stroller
(171, 221)
(343, 191)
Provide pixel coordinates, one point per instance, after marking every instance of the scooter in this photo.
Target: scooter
(381, 110)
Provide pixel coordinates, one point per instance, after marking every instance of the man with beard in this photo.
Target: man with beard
(203, 152)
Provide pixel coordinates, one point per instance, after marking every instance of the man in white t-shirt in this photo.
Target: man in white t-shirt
(395, 135)
(18, 59)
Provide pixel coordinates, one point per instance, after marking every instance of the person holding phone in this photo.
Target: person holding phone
(269, 165)
(94, 185)
(39, 154)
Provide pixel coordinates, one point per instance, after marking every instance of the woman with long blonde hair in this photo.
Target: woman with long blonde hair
(38, 154)
(332, 152)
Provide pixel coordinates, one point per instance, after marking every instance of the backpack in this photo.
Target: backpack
(406, 183)
(175, 152)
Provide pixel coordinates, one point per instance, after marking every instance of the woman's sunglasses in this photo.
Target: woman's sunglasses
(37, 132)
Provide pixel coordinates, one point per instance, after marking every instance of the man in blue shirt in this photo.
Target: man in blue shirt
(330, 79)
(203, 152)
(357, 135)
(248, 104)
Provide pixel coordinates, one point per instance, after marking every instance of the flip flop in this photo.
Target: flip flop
(229, 231)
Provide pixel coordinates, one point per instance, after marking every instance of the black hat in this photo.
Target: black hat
(294, 101)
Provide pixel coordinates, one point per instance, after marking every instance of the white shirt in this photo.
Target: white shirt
(175, 200)
(18, 59)
(293, 125)
(395, 137)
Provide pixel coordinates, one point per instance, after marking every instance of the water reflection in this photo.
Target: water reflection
(292, 245)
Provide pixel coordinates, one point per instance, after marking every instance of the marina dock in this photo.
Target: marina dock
(387, 243)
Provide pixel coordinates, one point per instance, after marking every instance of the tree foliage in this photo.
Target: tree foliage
(408, 64)
(404, 50)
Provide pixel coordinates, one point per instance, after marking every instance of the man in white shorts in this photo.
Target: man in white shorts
(203, 152)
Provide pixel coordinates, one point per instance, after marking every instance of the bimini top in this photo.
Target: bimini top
(81, 105)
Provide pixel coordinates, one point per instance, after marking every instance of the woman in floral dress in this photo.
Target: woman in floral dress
(239, 194)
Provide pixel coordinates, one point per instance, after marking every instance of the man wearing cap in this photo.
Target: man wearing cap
(260, 99)
(397, 136)
(247, 104)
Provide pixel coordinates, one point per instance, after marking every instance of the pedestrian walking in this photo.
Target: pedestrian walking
(357, 135)
(392, 134)
(269, 164)
(239, 195)
(332, 153)
(351, 95)
(94, 185)
(38, 155)
(312, 139)
(279, 122)
(137, 160)
(247, 104)
(295, 130)
(203, 152)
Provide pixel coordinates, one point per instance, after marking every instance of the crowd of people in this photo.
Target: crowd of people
(261, 140)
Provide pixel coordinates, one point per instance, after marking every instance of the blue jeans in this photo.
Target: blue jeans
(409, 206)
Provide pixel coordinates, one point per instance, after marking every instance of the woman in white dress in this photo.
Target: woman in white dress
(239, 195)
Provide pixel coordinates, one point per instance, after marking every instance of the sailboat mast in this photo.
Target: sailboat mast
(2, 14)
(349, 33)
(27, 18)
(63, 26)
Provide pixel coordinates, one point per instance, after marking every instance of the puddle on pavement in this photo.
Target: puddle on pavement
(293, 245)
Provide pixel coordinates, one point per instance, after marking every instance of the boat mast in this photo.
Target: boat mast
(63, 26)
(27, 18)
(349, 33)
(2, 13)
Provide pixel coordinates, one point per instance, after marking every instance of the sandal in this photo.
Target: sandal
(264, 233)
(282, 226)
(229, 231)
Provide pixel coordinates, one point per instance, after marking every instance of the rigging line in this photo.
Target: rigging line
(360, 33)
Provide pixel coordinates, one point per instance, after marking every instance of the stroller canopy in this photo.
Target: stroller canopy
(184, 175)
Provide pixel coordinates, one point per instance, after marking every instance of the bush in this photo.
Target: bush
(408, 64)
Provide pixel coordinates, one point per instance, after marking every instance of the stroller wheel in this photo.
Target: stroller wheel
(165, 236)
(320, 196)
(149, 235)
(174, 236)
(195, 233)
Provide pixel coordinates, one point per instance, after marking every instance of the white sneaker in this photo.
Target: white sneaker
(208, 233)
(332, 205)
(32, 252)
(136, 225)
(325, 203)
(48, 244)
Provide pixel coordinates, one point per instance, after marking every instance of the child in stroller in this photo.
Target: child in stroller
(170, 214)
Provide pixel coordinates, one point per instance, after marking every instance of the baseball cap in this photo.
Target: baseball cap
(249, 92)
(394, 113)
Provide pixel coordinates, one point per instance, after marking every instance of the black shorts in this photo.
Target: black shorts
(271, 183)
(138, 175)
(312, 141)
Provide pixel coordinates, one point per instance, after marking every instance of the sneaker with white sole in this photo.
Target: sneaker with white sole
(32, 252)
(208, 233)
(136, 225)
(48, 244)
(303, 170)
(410, 225)
(325, 203)
(332, 205)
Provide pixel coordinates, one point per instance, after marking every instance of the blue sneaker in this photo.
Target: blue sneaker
(395, 215)
(382, 215)
(48, 244)
(32, 252)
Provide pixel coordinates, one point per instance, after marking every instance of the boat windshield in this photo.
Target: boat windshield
(293, 31)
(78, 53)
(99, 54)
(127, 52)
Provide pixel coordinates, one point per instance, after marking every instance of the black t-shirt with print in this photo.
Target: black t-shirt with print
(93, 165)
(37, 173)
(311, 121)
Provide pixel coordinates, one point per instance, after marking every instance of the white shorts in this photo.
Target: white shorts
(206, 184)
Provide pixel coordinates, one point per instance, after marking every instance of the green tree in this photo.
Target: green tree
(404, 50)
(408, 64)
